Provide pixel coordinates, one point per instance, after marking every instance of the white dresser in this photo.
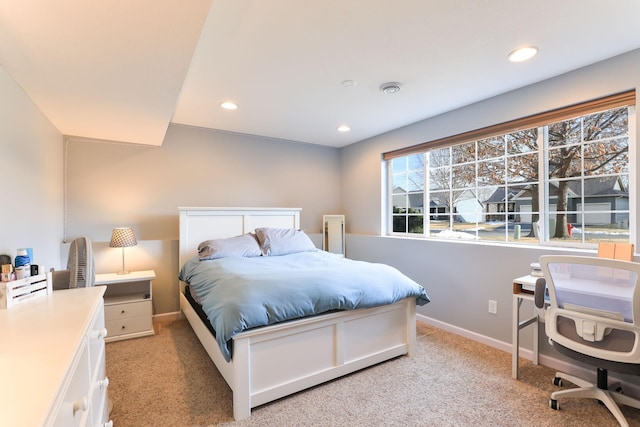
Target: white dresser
(52, 361)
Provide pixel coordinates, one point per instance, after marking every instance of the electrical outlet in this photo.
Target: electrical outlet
(493, 306)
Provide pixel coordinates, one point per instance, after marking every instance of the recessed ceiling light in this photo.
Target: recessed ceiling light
(349, 83)
(229, 105)
(390, 87)
(344, 128)
(523, 53)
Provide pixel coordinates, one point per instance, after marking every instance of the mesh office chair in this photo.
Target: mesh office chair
(593, 316)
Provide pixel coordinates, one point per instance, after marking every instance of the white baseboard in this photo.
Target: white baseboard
(588, 373)
(166, 317)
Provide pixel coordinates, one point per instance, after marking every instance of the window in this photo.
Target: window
(490, 188)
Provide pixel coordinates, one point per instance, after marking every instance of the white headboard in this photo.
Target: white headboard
(198, 224)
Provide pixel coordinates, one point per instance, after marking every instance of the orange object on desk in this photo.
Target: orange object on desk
(621, 251)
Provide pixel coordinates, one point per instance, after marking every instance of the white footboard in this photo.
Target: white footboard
(276, 361)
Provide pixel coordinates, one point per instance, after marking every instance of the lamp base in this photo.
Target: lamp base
(123, 272)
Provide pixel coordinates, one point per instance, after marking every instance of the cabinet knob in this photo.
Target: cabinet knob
(80, 405)
(122, 312)
(103, 383)
(100, 333)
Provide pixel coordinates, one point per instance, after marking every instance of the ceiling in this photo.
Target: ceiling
(124, 70)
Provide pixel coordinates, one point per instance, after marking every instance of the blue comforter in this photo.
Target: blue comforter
(243, 293)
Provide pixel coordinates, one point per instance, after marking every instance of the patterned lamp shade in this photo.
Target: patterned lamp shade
(122, 237)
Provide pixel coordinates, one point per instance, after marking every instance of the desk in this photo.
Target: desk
(518, 297)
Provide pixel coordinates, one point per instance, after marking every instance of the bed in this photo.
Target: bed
(274, 361)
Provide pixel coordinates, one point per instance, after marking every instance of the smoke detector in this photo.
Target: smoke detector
(390, 87)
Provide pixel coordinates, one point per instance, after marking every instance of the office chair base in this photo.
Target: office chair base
(609, 398)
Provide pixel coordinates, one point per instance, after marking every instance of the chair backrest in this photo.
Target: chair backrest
(594, 306)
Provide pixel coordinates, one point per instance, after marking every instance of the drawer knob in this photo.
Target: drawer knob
(100, 333)
(103, 383)
(80, 405)
(122, 312)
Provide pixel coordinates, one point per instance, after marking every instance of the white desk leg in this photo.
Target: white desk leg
(515, 337)
(535, 337)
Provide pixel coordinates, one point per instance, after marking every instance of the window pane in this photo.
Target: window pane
(561, 230)
(440, 157)
(565, 161)
(494, 203)
(491, 172)
(416, 161)
(416, 202)
(463, 175)
(606, 124)
(606, 157)
(522, 168)
(491, 148)
(399, 164)
(440, 178)
(400, 202)
(523, 141)
(399, 224)
(467, 207)
(416, 181)
(400, 183)
(416, 224)
(440, 227)
(566, 132)
(463, 153)
(439, 205)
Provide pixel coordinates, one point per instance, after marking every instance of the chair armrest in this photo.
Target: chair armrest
(541, 286)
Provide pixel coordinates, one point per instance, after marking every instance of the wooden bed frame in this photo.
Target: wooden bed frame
(275, 361)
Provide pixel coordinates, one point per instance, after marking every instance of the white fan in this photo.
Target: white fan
(80, 263)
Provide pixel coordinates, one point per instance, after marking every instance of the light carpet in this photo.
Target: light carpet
(168, 380)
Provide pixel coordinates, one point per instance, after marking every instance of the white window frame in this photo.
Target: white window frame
(543, 236)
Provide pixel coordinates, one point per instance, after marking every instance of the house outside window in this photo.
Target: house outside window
(491, 189)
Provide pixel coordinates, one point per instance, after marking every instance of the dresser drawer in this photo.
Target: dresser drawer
(131, 325)
(75, 402)
(127, 310)
(96, 339)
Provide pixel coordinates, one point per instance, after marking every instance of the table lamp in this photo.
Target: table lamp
(122, 237)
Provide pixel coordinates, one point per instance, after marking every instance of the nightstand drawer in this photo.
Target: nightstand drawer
(127, 310)
(129, 326)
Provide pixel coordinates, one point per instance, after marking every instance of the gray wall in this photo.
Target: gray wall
(114, 184)
(31, 173)
(461, 277)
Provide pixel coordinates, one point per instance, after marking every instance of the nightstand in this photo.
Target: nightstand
(128, 306)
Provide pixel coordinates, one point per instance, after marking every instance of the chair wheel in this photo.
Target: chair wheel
(553, 404)
(557, 381)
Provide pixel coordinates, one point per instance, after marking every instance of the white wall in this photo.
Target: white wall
(462, 277)
(31, 172)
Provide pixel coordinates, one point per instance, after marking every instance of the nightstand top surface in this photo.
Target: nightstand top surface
(102, 279)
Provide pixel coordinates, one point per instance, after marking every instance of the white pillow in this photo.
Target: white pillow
(283, 241)
(245, 245)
